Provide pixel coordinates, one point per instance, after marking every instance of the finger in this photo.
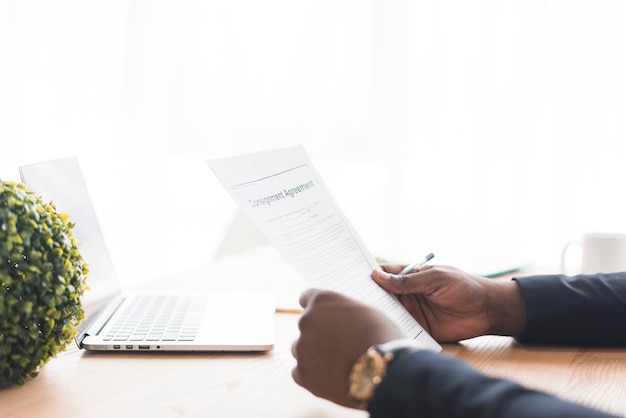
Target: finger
(294, 352)
(306, 297)
(392, 268)
(295, 375)
(401, 284)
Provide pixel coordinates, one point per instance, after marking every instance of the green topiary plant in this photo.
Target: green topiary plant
(42, 279)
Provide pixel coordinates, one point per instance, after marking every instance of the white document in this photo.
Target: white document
(282, 193)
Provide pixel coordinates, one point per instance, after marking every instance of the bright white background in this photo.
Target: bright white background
(457, 126)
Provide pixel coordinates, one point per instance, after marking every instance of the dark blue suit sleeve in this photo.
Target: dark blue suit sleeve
(578, 310)
(426, 384)
(582, 309)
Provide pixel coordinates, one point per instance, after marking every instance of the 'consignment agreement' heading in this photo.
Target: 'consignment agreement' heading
(268, 200)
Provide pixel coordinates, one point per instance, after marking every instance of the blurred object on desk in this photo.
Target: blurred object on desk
(240, 235)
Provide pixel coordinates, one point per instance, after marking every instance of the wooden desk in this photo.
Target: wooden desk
(80, 384)
(593, 377)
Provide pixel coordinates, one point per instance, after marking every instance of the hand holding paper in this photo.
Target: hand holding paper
(284, 196)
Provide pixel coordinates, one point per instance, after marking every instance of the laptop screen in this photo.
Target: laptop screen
(61, 182)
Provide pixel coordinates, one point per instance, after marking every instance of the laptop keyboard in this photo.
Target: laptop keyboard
(158, 318)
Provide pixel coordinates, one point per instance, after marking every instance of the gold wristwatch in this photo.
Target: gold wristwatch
(370, 369)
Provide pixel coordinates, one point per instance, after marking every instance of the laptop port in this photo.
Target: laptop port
(144, 347)
(129, 347)
(116, 347)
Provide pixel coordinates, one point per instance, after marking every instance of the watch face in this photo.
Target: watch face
(366, 375)
(370, 368)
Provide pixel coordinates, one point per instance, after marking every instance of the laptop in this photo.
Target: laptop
(146, 321)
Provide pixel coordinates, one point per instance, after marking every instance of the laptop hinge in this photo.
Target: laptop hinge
(94, 324)
(79, 339)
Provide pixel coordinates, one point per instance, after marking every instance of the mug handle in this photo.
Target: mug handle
(564, 253)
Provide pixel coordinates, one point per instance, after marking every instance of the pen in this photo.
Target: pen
(412, 267)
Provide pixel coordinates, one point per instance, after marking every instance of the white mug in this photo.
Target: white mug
(601, 253)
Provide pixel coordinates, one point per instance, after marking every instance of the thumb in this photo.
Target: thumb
(306, 296)
(413, 283)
